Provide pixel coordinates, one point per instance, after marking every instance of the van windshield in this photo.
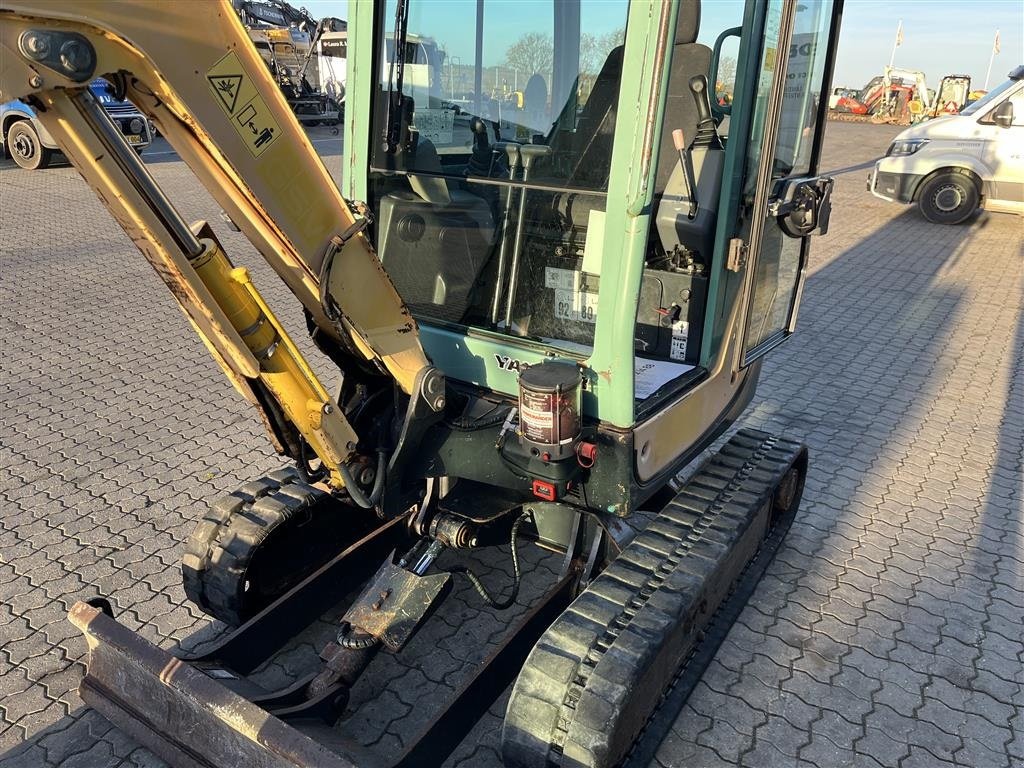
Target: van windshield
(988, 98)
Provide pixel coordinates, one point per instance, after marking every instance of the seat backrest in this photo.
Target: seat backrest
(689, 58)
(596, 126)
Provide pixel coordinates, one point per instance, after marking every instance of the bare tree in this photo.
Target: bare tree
(590, 53)
(594, 49)
(726, 74)
(533, 52)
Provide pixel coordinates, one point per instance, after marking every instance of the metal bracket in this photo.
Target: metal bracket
(395, 603)
(737, 255)
(426, 408)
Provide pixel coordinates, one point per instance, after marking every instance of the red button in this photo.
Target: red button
(542, 489)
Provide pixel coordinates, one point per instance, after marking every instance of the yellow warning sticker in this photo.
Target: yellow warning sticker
(242, 103)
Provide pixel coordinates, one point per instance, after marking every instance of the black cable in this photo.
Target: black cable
(486, 519)
(491, 418)
(378, 481)
(330, 309)
(478, 585)
(305, 472)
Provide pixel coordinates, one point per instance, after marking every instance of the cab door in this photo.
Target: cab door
(1004, 149)
(788, 201)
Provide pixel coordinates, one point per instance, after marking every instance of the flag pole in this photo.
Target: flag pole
(991, 59)
(896, 43)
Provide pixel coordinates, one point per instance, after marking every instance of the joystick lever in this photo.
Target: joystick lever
(707, 132)
(686, 163)
(481, 160)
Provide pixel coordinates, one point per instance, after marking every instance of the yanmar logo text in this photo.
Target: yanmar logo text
(511, 364)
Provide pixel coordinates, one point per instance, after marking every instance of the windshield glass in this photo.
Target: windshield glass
(988, 98)
(536, 73)
(490, 203)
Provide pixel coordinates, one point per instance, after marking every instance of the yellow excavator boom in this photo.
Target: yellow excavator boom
(195, 73)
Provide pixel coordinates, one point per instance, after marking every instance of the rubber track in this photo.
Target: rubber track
(599, 671)
(647, 743)
(218, 553)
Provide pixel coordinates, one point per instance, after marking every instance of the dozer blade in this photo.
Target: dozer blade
(167, 705)
(600, 670)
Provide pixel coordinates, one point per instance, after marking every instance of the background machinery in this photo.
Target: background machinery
(897, 96)
(540, 323)
(952, 95)
(286, 38)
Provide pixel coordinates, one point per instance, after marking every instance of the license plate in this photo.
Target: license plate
(134, 139)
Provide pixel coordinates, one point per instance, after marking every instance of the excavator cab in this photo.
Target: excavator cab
(620, 219)
(544, 309)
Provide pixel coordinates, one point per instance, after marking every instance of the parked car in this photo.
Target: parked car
(30, 145)
(951, 166)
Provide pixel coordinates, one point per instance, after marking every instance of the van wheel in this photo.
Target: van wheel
(948, 198)
(25, 148)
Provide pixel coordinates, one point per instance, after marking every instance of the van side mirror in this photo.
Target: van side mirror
(1003, 114)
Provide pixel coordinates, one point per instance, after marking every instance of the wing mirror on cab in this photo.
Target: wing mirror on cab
(1003, 114)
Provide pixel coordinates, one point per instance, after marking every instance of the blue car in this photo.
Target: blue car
(31, 146)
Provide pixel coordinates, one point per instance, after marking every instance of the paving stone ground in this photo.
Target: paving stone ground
(887, 632)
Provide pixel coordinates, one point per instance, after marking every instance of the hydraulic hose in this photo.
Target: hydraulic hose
(355, 642)
(478, 585)
(358, 497)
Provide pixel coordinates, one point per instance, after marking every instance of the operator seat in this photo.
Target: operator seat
(592, 145)
(689, 58)
(594, 130)
(596, 126)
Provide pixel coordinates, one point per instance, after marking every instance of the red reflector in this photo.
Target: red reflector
(542, 489)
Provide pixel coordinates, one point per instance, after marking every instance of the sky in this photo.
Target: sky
(940, 37)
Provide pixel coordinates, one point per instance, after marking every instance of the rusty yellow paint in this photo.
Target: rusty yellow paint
(128, 207)
(282, 369)
(257, 164)
(282, 199)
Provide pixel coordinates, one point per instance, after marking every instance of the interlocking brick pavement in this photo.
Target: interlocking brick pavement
(887, 632)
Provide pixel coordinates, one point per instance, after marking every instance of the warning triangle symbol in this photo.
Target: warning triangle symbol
(227, 88)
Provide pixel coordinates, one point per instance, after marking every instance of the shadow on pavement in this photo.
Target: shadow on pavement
(882, 351)
(894, 562)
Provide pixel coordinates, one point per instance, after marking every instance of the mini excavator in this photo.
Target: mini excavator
(544, 315)
(286, 38)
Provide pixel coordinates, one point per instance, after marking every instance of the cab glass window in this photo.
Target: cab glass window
(988, 100)
(541, 64)
(488, 177)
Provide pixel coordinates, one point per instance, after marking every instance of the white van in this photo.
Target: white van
(952, 165)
